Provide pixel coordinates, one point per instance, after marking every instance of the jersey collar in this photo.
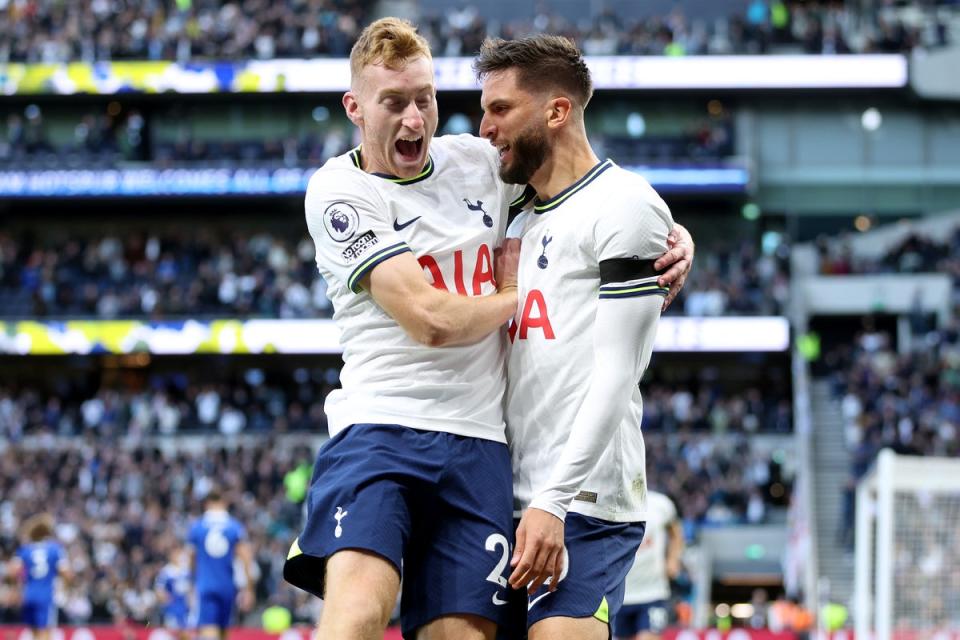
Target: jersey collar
(542, 206)
(423, 175)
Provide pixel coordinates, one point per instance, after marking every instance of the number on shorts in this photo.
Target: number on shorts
(658, 618)
(495, 540)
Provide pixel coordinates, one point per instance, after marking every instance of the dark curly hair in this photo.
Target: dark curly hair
(543, 62)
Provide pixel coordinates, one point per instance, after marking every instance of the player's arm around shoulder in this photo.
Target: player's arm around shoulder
(356, 240)
(438, 318)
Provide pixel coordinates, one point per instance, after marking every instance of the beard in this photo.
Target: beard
(530, 150)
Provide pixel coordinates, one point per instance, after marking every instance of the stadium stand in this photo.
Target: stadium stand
(121, 512)
(124, 489)
(132, 451)
(141, 274)
(35, 137)
(908, 402)
(211, 272)
(48, 31)
(172, 404)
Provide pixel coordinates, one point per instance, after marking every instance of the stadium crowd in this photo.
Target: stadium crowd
(260, 402)
(909, 402)
(738, 279)
(51, 31)
(706, 409)
(916, 253)
(253, 403)
(716, 481)
(210, 272)
(123, 510)
(100, 140)
(197, 273)
(121, 515)
(103, 141)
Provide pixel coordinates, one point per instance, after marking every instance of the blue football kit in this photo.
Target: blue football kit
(40, 563)
(214, 538)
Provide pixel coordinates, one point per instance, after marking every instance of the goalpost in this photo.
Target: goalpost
(907, 571)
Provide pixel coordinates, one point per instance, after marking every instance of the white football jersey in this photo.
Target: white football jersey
(609, 216)
(451, 217)
(647, 581)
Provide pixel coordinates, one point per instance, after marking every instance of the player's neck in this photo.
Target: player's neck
(570, 161)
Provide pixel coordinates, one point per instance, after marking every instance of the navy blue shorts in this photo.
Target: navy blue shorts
(215, 609)
(438, 505)
(634, 618)
(598, 556)
(38, 615)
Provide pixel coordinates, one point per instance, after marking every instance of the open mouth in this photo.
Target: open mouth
(503, 150)
(409, 149)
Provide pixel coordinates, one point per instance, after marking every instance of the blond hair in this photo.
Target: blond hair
(391, 42)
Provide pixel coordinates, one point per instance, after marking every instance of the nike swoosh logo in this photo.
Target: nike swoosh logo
(497, 601)
(398, 227)
(538, 599)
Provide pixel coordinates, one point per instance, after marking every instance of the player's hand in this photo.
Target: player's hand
(679, 257)
(245, 600)
(506, 262)
(539, 552)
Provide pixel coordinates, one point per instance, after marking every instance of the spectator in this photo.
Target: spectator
(49, 31)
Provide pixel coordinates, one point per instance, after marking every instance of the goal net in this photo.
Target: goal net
(907, 580)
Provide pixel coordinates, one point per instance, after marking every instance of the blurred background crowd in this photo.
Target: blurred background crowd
(121, 449)
(92, 30)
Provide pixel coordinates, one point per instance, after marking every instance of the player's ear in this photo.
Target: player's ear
(352, 107)
(560, 111)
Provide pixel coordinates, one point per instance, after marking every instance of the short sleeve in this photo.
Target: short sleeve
(670, 510)
(630, 235)
(350, 225)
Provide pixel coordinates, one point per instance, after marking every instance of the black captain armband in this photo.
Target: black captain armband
(623, 278)
(626, 270)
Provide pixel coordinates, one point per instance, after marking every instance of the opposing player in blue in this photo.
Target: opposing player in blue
(39, 562)
(216, 540)
(173, 590)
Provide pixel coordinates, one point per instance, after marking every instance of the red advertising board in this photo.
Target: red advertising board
(734, 634)
(133, 632)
